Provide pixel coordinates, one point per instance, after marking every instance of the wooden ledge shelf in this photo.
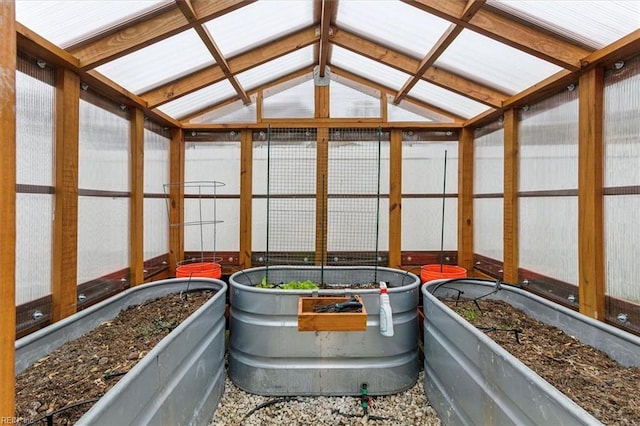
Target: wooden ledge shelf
(308, 320)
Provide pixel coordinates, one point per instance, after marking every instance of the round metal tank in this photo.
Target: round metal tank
(269, 356)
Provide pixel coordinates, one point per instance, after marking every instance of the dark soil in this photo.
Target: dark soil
(86, 368)
(605, 389)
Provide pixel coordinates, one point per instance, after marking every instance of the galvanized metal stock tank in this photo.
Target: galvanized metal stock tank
(269, 356)
(179, 382)
(471, 380)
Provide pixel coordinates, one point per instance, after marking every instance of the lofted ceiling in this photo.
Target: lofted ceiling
(444, 60)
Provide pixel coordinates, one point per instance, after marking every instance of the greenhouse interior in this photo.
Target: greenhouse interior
(273, 156)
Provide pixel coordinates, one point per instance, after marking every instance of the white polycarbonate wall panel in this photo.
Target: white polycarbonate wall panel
(549, 162)
(488, 178)
(146, 68)
(423, 175)
(345, 101)
(595, 23)
(156, 228)
(213, 161)
(622, 125)
(447, 100)
(34, 131)
(422, 224)
(198, 100)
(104, 152)
(415, 36)
(549, 144)
(367, 68)
(488, 228)
(548, 241)
(258, 23)
(221, 236)
(259, 226)
(34, 240)
(407, 112)
(234, 112)
(622, 172)
(103, 236)
(276, 68)
(63, 22)
(495, 64)
(296, 102)
(156, 162)
(488, 170)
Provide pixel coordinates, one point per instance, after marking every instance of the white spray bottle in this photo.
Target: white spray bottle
(386, 316)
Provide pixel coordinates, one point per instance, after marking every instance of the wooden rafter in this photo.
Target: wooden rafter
(189, 13)
(213, 74)
(538, 43)
(438, 49)
(407, 64)
(139, 33)
(328, 10)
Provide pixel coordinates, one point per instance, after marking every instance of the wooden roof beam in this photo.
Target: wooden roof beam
(327, 14)
(189, 13)
(407, 64)
(213, 74)
(438, 49)
(523, 37)
(141, 32)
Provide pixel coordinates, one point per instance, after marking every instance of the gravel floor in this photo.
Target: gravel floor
(409, 408)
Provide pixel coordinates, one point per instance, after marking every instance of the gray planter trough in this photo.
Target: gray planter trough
(179, 382)
(269, 356)
(471, 380)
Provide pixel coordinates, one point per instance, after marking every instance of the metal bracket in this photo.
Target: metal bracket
(321, 81)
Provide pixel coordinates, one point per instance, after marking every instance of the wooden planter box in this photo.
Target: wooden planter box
(308, 320)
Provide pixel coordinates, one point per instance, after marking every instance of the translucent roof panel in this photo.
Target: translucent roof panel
(594, 23)
(148, 67)
(276, 68)
(259, 23)
(446, 100)
(345, 101)
(198, 100)
(409, 111)
(68, 21)
(233, 112)
(494, 64)
(367, 68)
(415, 37)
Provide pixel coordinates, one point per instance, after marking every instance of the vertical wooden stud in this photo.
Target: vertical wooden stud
(511, 180)
(322, 182)
(321, 101)
(246, 198)
(176, 200)
(65, 225)
(591, 286)
(384, 110)
(395, 199)
(259, 106)
(7, 206)
(465, 199)
(136, 216)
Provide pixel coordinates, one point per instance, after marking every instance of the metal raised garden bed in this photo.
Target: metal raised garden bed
(470, 379)
(268, 355)
(179, 382)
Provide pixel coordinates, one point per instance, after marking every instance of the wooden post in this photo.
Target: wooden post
(65, 225)
(136, 217)
(8, 57)
(246, 198)
(511, 185)
(395, 199)
(465, 199)
(176, 200)
(591, 286)
(322, 174)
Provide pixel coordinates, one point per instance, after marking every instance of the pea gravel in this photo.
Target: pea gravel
(239, 408)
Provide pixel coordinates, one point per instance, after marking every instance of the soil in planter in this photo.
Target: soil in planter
(86, 368)
(605, 389)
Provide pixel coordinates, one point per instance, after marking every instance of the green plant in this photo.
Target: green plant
(470, 313)
(291, 285)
